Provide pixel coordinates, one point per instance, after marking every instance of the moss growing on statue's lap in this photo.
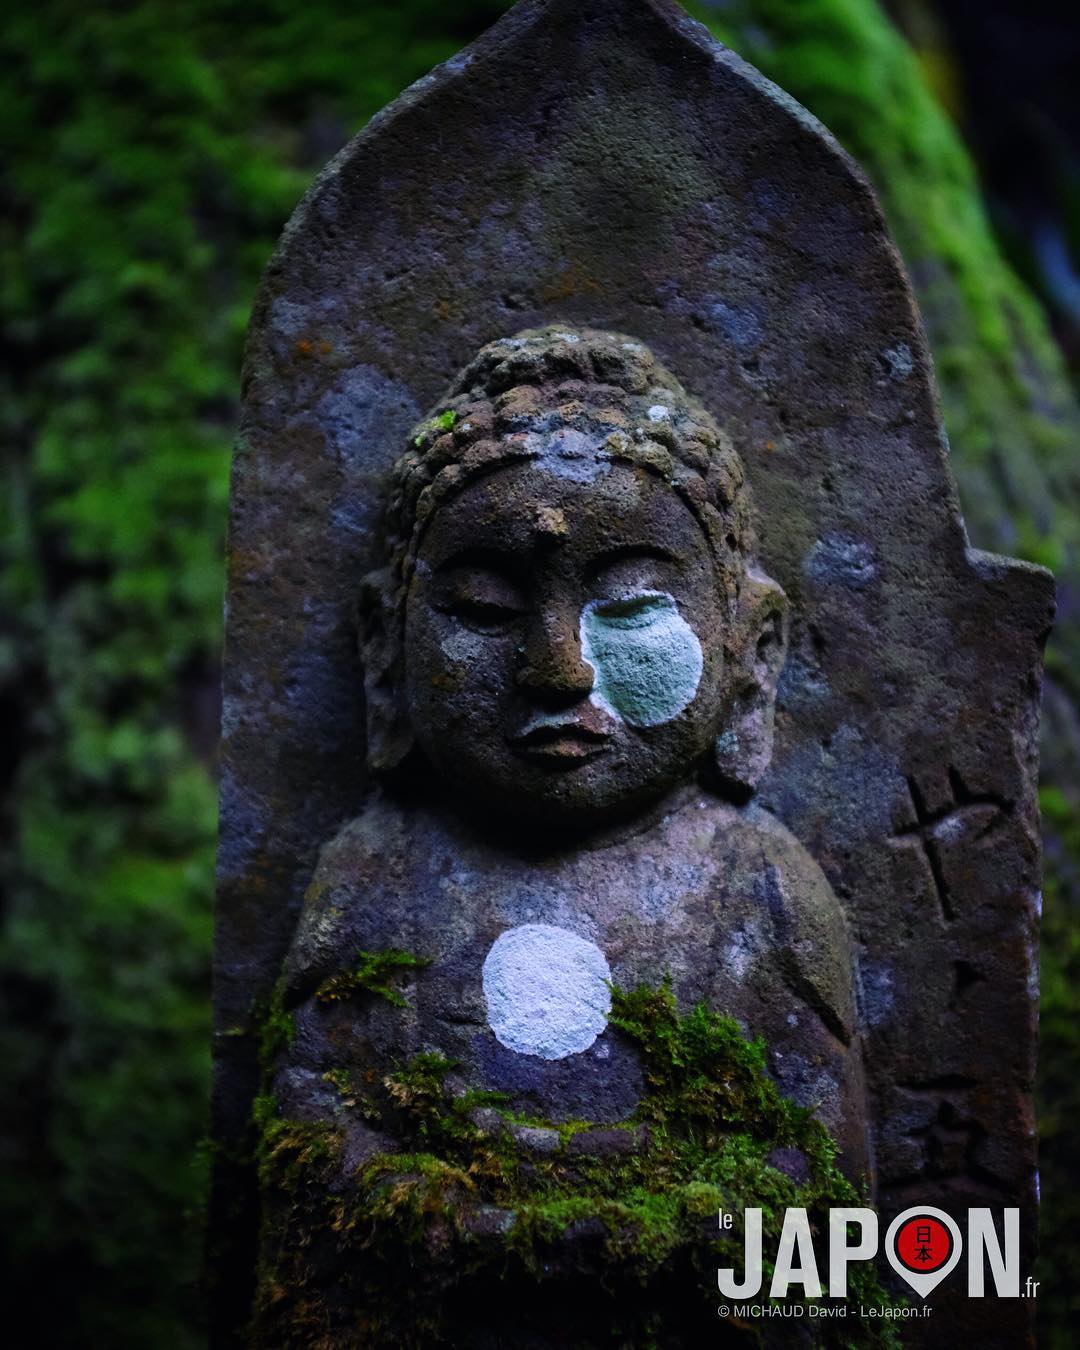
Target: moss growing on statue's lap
(484, 1208)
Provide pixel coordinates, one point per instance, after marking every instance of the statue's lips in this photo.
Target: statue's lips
(568, 744)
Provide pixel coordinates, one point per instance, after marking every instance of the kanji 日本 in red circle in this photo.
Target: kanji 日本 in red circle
(923, 1244)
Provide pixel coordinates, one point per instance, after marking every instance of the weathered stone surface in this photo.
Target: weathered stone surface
(536, 1138)
(603, 1143)
(605, 166)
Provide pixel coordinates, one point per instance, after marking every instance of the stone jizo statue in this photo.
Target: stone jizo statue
(571, 661)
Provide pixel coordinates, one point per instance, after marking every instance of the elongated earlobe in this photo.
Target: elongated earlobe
(389, 737)
(744, 743)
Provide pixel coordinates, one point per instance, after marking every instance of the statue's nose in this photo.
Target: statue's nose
(552, 667)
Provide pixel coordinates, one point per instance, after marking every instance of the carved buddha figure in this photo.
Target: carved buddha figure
(571, 661)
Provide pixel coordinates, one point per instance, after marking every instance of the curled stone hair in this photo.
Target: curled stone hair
(565, 393)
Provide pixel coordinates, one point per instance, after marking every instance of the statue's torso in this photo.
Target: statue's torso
(722, 898)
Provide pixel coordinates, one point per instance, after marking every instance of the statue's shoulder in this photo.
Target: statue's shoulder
(766, 862)
(363, 845)
(355, 870)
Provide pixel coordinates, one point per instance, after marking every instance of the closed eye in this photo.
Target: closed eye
(629, 553)
(481, 598)
(483, 613)
(630, 611)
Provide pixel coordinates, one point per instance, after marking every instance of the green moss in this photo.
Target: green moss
(289, 1150)
(278, 1030)
(465, 1202)
(342, 1081)
(372, 975)
(435, 426)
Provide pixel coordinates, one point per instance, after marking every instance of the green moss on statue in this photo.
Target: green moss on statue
(373, 974)
(435, 426)
(484, 1209)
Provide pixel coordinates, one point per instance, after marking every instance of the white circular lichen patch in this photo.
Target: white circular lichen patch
(547, 991)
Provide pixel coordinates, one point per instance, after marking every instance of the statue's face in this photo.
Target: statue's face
(564, 641)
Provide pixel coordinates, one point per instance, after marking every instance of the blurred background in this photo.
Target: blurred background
(150, 152)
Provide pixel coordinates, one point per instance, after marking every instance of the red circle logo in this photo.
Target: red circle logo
(923, 1244)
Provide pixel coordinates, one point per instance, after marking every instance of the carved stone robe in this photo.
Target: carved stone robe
(722, 898)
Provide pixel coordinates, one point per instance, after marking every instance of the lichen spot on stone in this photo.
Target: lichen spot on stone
(647, 660)
(464, 647)
(548, 991)
(568, 453)
(898, 361)
(658, 413)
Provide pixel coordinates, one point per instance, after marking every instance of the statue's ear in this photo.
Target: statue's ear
(744, 745)
(389, 737)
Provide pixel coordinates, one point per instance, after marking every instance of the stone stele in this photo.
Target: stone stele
(599, 612)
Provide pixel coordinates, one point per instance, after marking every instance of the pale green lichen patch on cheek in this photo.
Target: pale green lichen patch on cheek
(646, 658)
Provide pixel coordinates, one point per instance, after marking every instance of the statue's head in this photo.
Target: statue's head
(571, 621)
